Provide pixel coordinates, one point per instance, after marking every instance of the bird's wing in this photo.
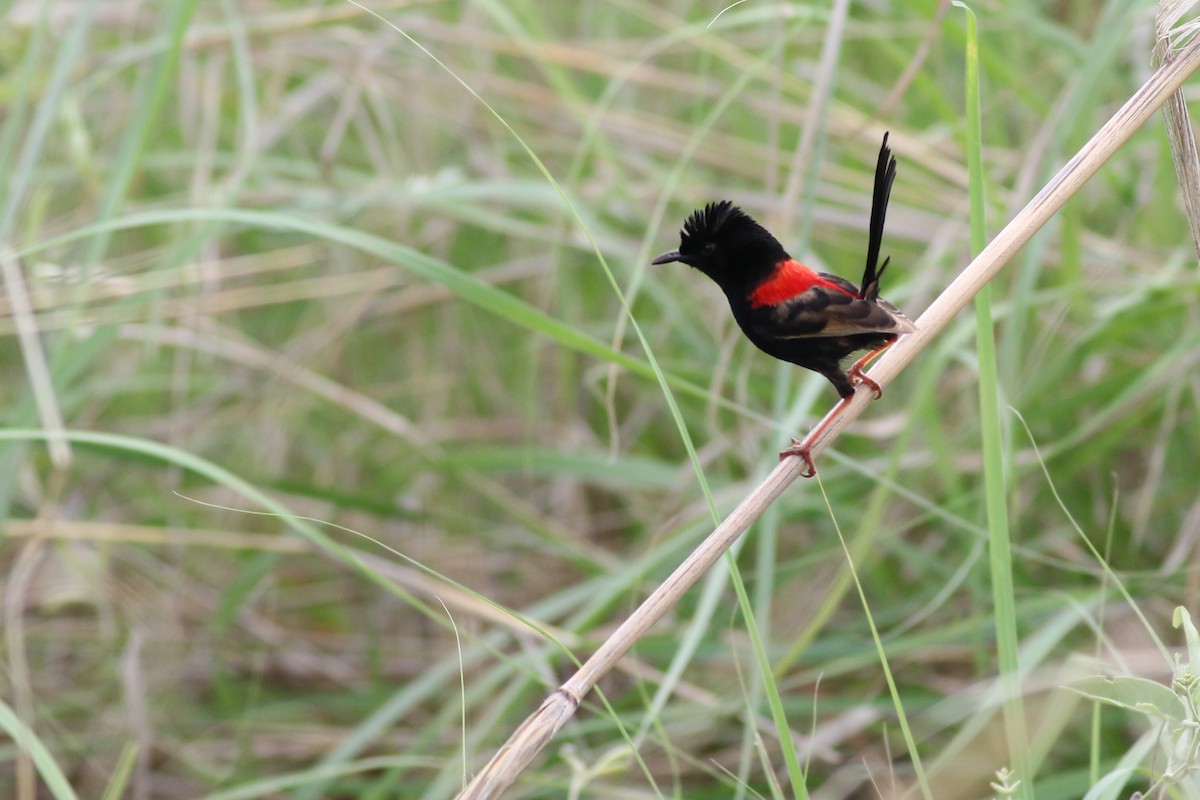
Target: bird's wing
(824, 311)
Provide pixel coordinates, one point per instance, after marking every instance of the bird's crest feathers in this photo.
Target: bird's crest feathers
(719, 219)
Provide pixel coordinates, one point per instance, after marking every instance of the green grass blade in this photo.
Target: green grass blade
(52, 776)
(994, 476)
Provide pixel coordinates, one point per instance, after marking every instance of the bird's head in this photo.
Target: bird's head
(727, 245)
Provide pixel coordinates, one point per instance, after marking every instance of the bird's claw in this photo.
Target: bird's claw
(857, 373)
(801, 451)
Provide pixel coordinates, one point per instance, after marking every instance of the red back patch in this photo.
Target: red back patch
(790, 279)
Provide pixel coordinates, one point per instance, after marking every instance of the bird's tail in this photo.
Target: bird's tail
(885, 174)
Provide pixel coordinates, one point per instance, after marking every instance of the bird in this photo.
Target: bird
(796, 314)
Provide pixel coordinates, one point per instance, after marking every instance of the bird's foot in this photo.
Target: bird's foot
(801, 451)
(856, 373)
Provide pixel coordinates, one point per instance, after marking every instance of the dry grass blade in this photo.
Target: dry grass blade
(1179, 124)
(35, 358)
(538, 729)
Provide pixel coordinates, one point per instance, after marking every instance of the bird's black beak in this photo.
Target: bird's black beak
(667, 258)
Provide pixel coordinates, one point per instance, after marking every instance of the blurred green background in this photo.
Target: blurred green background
(278, 257)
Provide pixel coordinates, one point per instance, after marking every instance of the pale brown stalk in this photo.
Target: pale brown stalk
(1175, 112)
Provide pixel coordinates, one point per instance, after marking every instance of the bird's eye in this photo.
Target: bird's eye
(709, 248)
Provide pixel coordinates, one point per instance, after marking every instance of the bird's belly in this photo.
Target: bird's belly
(817, 350)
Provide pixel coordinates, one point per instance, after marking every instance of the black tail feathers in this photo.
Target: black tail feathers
(885, 175)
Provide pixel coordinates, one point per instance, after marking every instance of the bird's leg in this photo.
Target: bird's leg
(856, 371)
(803, 451)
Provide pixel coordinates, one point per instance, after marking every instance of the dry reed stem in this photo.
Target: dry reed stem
(1175, 111)
(536, 731)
